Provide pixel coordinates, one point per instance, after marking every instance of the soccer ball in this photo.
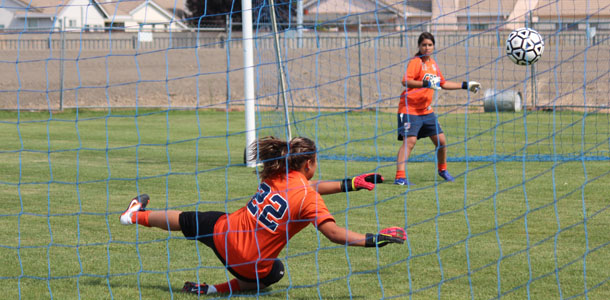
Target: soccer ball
(524, 46)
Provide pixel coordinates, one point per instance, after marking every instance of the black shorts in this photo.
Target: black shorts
(419, 126)
(200, 226)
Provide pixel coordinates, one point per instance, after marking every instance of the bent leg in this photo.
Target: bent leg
(233, 286)
(237, 284)
(248, 286)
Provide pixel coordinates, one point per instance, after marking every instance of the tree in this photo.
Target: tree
(212, 13)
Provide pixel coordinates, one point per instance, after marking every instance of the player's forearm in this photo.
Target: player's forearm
(451, 85)
(326, 187)
(354, 239)
(414, 84)
(362, 181)
(342, 236)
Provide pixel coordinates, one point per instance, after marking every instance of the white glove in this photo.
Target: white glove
(472, 86)
(434, 83)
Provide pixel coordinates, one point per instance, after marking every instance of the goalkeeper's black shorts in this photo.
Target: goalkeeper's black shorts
(200, 226)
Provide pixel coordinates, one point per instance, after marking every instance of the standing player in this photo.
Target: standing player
(416, 119)
(249, 240)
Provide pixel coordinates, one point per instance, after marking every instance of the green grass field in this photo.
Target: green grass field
(505, 228)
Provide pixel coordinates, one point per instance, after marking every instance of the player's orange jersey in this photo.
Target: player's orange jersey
(418, 100)
(254, 235)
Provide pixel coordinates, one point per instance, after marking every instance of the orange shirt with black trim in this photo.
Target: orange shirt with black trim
(417, 101)
(250, 238)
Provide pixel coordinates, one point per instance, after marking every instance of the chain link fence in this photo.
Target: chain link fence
(325, 69)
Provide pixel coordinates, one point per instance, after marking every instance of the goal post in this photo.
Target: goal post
(249, 96)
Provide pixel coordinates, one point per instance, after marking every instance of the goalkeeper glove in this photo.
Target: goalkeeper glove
(433, 83)
(364, 181)
(472, 86)
(386, 236)
(193, 287)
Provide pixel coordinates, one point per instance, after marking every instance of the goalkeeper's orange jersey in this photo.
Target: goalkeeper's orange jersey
(252, 237)
(418, 100)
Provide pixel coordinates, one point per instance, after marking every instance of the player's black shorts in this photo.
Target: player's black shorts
(420, 126)
(200, 226)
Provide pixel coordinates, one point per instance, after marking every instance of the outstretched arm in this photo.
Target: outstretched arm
(452, 85)
(471, 86)
(342, 236)
(364, 181)
(326, 187)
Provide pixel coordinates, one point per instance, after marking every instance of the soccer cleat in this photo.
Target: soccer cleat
(402, 181)
(137, 204)
(192, 287)
(445, 174)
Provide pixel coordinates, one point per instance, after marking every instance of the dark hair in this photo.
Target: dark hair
(424, 36)
(276, 154)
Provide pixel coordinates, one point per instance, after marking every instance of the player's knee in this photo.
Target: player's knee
(276, 274)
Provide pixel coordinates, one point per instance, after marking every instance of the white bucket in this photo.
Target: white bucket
(503, 100)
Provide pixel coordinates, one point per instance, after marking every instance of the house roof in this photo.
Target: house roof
(109, 7)
(124, 7)
(43, 6)
(118, 7)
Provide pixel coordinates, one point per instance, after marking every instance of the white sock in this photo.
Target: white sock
(211, 289)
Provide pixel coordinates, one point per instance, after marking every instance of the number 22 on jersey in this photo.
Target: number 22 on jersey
(265, 205)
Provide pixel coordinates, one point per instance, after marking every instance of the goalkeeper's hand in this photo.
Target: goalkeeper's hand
(364, 181)
(472, 86)
(433, 83)
(386, 236)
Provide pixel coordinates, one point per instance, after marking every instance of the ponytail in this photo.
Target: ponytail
(277, 154)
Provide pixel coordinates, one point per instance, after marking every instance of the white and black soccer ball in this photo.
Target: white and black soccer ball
(524, 46)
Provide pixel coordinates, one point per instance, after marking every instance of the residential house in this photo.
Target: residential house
(339, 13)
(461, 14)
(22, 15)
(134, 15)
(92, 15)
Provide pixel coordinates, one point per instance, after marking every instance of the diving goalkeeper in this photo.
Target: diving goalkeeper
(249, 240)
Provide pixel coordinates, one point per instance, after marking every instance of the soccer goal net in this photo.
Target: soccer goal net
(101, 101)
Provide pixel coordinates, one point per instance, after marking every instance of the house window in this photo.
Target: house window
(568, 26)
(477, 26)
(32, 23)
(115, 26)
(72, 23)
